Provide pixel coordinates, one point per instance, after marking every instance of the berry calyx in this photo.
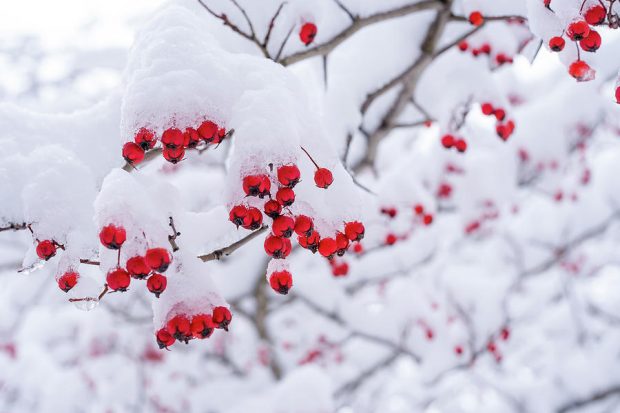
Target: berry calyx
(157, 284)
(164, 338)
(137, 268)
(281, 281)
(68, 280)
(158, 259)
(112, 237)
(288, 175)
(145, 138)
(133, 153)
(221, 317)
(277, 247)
(202, 326)
(118, 279)
(307, 33)
(46, 249)
(557, 43)
(354, 230)
(179, 328)
(323, 178)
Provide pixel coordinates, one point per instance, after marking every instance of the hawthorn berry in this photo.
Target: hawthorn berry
(354, 230)
(172, 138)
(174, 155)
(112, 237)
(581, 71)
(487, 109)
(46, 249)
(219, 136)
(577, 30)
(340, 269)
(257, 185)
(307, 33)
(557, 43)
(277, 247)
(283, 226)
(418, 209)
(221, 317)
(485, 48)
(303, 225)
(447, 141)
(463, 45)
(272, 208)
(68, 280)
(191, 138)
(310, 242)
(281, 281)
(288, 175)
(618, 94)
(145, 138)
(118, 279)
(389, 211)
(592, 42)
(504, 334)
(202, 326)
(164, 338)
(207, 131)
(476, 18)
(342, 243)
(238, 214)
(391, 239)
(503, 131)
(133, 153)
(157, 284)
(137, 268)
(428, 219)
(328, 247)
(253, 220)
(323, 178)
(179, 327)
(460, 145)
(458, 350)
(358, 248)
(285, 196)
(595, 15)
(500, 114)
(158, 259)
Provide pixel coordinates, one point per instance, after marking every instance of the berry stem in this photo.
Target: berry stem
(306, 152)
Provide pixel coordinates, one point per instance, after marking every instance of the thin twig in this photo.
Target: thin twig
(224, 252)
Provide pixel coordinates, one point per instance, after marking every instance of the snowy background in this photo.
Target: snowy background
(487, 281)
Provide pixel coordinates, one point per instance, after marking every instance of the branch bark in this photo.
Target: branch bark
(224, 252)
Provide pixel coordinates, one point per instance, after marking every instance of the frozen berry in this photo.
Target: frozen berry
(592, 42)
(447, 141)
(487, 109)
(207, 131)
(460, 145)
(303, 225)
(285, 196)
(157, 284)
(238, 215)
(391, 239)
(310, 242)
(164, 338)
(272, 208)
(288, 175)
(133, 153)
(354, 230)
(46, 249)
(277, 247)
(557, 43)
(191, 138)
(283, 226)
(112, 237)
(145, 138)
(172, 138)
(179, 327)
(118, 279)
(202, 326)
(342, 243)
(253, 220)
(577, 30)
(174, 155)
(595, 15)
(581, 71)
(328, 247)
(307, 33)
(221, 317)
(323, 178)
(281, 281)
(257, 185)
(476, 18)
(137, 268)
(68, 280)
(158, 259)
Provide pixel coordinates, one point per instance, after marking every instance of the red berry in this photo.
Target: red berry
(118, 279)
(191, 138)
(145, 138)
(592, 42)
(288, 175)
(202, 326)
(172, 138)
(179, 327)
(222, 317)
(447, 141)
(133, 153)
(485, 48)
(500, 114)
(328, 247)
(428, 219)
(389, 211)
(581, 71)
(618, 94)
(112, 237)
(174, 155)
(257, 185)
(419, 209)
(164, 338)
(460, 145)
(391, 239)
(476, 18)
(253, 220)
(277, 247)
(502, 131)
(458, 350)
(283, 226)
(342, 243)
(68, 280)
(505, 333)
(358, 248)
(354, 230)
(137, 268)
(463, 45)
(307, 33)
(207, 131)
(285, 196)
(557, 43)
(595, 15)
(281, 281)
(303, 225)
(487, 109)
(272, 208)
(157, 284)
(46, 249)
(310, 242)
(577, 30)
(323, 178)
(158, 259)
(341, 269)
(547, 3)
(238, 214)
(219, 136)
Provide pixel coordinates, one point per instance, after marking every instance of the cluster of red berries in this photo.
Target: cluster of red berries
(449, 141)
(485, 49)
(184, 327)
(46, 249)
(503, 127)
(492, 347)
(307, 33)
(581, 32)
(174, 141)
(420, 216)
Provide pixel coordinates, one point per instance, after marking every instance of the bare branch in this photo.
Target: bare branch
(172, 238)
(272, 24)
(596, 397)
(224, 252)
(14, 227)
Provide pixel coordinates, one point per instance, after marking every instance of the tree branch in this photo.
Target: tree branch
(224, 252)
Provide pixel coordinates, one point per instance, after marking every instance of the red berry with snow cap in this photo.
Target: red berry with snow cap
(595, 15)
(133, 153)
(164, 338)
(581, 71)
(158, 259)
(285, 196)
(592, 42)
(112, 237)
(174, 155)
(257, 185)
(179, 327)
(310, 242)
(328, 247)
(137, 268)
(238, 215)
(303, 225)
(253, 220)
(476, 18)
(342, 243)
(207, 131)
(277, 247)
(354, 230)
(578, 29)
(323, 178)
(118, 279)
(281, 281)
(172, 138)
(46, 249)
(157, 284)
(221, 317)
(557, 44)
(283, 226)
(191, 138)
(307, 33)
(288, 175)
(145, 138)
(202, 326)
(68, 280)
